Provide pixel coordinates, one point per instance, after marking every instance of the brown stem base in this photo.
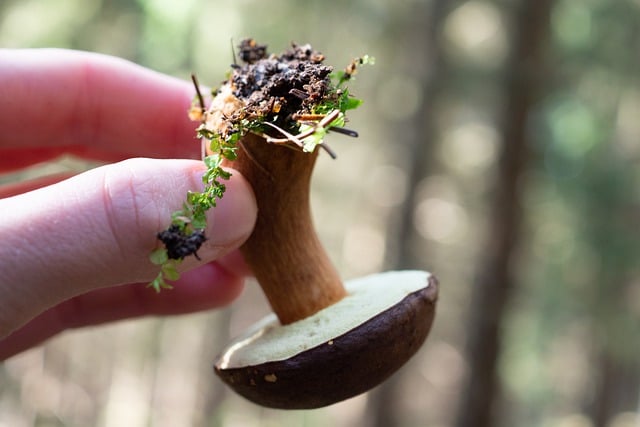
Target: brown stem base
(284, 251)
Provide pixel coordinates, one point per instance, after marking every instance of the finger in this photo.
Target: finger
(97, 229)
(206, 287)
(96, 105)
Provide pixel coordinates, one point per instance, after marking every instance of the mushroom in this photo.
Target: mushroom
(326, 341)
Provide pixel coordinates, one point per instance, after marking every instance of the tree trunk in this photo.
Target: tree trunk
(616, 389)
(495, 280)
(384, 406)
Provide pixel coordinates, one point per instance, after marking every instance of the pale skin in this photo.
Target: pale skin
(74, 249)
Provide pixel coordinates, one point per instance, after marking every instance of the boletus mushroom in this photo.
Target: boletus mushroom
(326, 341)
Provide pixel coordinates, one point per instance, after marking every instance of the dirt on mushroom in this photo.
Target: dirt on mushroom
(275, 88)
(290, 99)
(267, 121)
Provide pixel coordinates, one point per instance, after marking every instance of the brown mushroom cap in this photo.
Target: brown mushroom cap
(338, 353)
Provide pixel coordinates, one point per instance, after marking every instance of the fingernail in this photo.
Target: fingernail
(231, 222)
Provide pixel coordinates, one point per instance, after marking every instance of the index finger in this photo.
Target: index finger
(58, 101)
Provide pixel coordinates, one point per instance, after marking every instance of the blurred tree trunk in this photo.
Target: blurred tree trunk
(424, 37)
(606, 190)
(616, 389)
(419, 138)
(495, 279)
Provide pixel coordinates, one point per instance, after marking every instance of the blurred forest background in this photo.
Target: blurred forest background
(499, 148)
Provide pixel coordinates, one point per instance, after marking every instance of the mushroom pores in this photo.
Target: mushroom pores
(341, 351)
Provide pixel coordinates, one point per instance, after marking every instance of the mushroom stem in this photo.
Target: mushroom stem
(284, 252)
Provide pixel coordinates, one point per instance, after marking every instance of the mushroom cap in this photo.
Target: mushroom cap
(341, 351)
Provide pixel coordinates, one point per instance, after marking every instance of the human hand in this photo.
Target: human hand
(74, 250)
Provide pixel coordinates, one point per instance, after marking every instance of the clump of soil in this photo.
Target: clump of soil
(279, 86)
(272, 96)
(180, 244)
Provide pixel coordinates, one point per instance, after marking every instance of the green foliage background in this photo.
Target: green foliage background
(570, 337)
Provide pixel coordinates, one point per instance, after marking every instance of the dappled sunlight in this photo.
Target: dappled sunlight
(625, 419)
(422, 187)
(127, 400)
(399, 97)
(386, 186)
(573, 24)
(628, 125)
(443, 366)
(570, 420)
(470, 148)
(441, 220)
(476, 33)
(363, 250)
(32, 22)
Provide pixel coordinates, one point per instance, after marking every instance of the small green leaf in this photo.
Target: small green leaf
(158, 283)
(215, 142)
(204, 132)
(313, 140)
(199, 221)
(349, 103)
(230, 154)
(338, 121)
(224, 174)
(170, 272)
(159, 256)
(224, 145)
(213, 161)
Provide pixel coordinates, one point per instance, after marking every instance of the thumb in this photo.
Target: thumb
(98, 228)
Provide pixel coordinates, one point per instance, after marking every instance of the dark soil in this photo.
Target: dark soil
(179, 244)
(275, 87)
